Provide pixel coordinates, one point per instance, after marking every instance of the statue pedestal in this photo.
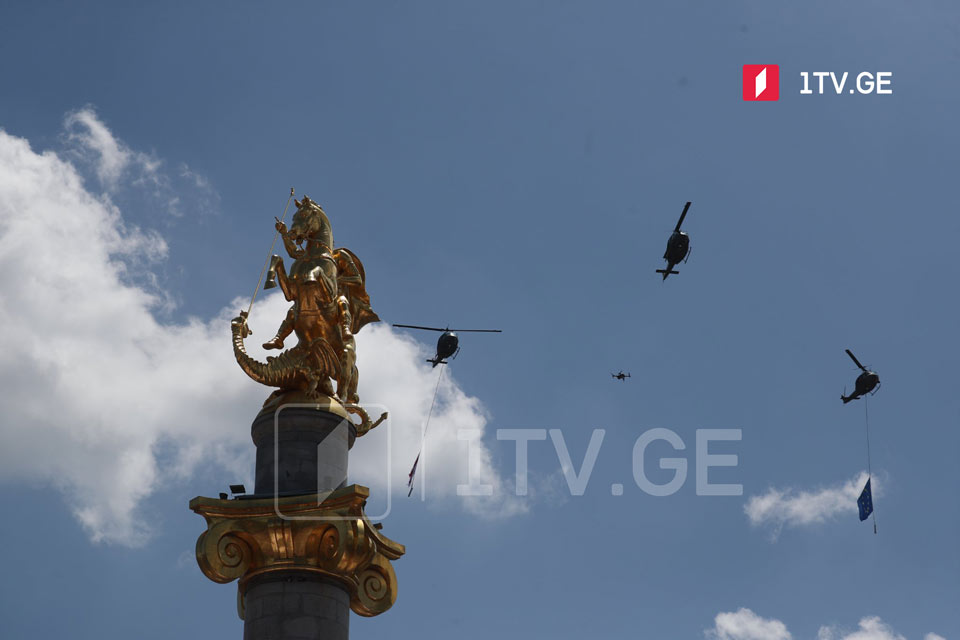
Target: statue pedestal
(301, 449)
(303, 550)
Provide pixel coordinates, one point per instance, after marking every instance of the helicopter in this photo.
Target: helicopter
(867, 382)
(678, 247)
(620, 376)
(448, 344)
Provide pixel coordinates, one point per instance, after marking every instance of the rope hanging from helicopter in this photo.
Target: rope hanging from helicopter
(866, 420)
(423, 435)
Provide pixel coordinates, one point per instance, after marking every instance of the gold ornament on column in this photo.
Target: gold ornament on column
(327, 536)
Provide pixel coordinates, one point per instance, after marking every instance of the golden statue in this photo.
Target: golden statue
(330, 305)
(303, 529)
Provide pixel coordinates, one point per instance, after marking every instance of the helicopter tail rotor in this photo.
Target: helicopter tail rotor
(844, 396)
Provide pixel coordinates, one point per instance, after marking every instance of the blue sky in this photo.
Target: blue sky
(517, 165)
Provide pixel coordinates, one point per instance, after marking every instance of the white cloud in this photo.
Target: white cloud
(744, 624)
(205, 198)
(870, 628)
(106, 403)
(111, 156)
(790, 507)
(92, 144)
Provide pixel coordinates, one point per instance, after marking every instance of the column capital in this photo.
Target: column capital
(324, 534)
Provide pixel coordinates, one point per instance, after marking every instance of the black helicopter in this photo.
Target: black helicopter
(866, 382)
(448, 344)
(678, 247)
(620, 376)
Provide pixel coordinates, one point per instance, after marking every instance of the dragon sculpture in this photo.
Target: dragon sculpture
(330, 305)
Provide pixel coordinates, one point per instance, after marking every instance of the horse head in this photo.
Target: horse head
(310, 223)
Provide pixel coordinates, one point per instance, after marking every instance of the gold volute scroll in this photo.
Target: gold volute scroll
(334, 539)
(327, 288)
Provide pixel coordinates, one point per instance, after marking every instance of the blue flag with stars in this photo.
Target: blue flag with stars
(865, 502)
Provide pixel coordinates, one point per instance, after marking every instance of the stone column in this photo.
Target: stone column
(300, 450)
(302, 548)
(295, 606)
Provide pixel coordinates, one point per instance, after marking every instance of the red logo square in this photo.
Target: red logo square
(761, 82)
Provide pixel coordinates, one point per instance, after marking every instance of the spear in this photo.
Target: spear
(269, 255)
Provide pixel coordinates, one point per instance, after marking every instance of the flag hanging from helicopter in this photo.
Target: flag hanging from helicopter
(865, 502)
(410, 476)
(423, 435)
(866, 385)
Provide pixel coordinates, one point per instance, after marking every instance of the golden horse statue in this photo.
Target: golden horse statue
(330, 305)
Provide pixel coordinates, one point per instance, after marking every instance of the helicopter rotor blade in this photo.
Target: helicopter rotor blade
(854, 358)
(476, 330)
(682, 216)
(414, 326)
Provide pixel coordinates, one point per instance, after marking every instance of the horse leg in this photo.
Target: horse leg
(277, 275)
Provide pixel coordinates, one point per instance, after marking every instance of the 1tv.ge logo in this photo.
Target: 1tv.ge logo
(761, 82)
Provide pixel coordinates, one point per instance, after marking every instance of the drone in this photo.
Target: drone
(448, 344)
(678, 247)
(620, 376)
(867, 382)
